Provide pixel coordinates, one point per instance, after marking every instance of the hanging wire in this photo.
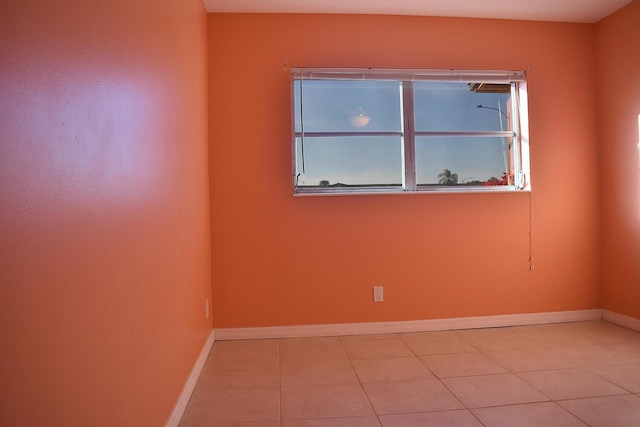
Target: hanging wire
(531, 266)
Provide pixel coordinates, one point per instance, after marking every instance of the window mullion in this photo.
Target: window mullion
(515, 124)
(409, 140)
(489, 134)
(346, 134)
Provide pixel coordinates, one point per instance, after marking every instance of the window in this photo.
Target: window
(369, 131)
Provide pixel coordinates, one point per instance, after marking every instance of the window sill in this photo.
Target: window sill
(431, 190)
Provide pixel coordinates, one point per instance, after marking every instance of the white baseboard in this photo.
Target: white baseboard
(406, 326)
(621, 319)
(190, 385)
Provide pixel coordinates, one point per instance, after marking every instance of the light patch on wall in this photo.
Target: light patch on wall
(95, 141)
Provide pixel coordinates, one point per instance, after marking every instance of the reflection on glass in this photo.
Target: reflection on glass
(451, 160)
(350, 161)
(347, 106)
(453, 106)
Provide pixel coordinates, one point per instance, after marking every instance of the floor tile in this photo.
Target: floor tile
(392, 369)
(246, 367)
(410, 396)
(530, 360)
(311, 350)
(426, 334)
(458, 418)
(626, 376)
(209, 424)
(495, 339)
(428, 345)
(237, 364)
(375, 349)
(560, 334)
(368, 337)
(459, 365)
(570, 384)
(577, 333)
(546, 414)
(233, 405)
(602, 332)
(249, 351)
(371, 421)
(551, 335)
(609, 411)
(295, 340)
(600, 354)
(328, 401)
(492, 390)
(243, 375)
(317, 372)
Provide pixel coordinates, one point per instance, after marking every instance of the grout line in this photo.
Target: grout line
(360, 382)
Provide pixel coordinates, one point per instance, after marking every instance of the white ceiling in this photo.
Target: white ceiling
(588, 11)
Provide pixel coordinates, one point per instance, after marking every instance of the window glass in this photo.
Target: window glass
(349, 161)
(348, 105)
(454, 160)
(455, 106)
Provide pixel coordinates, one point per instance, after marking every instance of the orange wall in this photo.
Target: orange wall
(618, 54)
(104, 212)
(280, 260)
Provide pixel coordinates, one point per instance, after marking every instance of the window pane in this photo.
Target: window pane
(347, 106)
(462, 160)
(453, 106)
(352, 161)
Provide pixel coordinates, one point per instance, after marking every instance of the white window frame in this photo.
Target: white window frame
(519, 127)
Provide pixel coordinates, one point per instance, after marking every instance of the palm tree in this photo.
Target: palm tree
(447, 178)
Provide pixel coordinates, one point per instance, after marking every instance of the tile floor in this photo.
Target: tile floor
(568, 374)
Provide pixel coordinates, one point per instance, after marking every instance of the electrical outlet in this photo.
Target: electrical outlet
(206, 309)
(378, 294)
